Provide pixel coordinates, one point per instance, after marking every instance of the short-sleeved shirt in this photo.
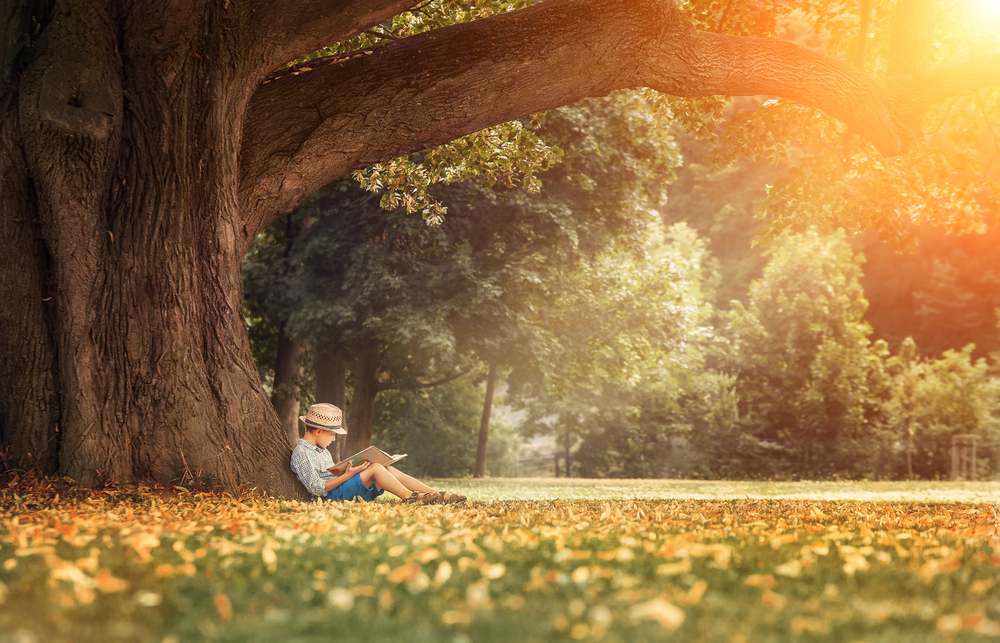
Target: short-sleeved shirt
(310, 463)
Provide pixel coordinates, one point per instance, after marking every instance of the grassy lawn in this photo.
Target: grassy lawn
(524, 560)
(583, 489)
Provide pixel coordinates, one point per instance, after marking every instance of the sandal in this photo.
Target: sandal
(450, 498)
(425, 498)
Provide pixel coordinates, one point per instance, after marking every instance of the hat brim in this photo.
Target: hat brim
(315, 425)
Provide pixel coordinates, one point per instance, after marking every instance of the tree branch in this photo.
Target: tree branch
(394, 385)
(309, 125)
(279, 33)
(305, 128)
(916, 93)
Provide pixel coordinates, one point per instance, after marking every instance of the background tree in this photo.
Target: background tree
(437, 427)
(942, 293)
(951, 395)
(626, 343)
(144, 146)
(809, 382)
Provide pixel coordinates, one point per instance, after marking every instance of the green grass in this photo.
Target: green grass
(616, 561)
(588, 489)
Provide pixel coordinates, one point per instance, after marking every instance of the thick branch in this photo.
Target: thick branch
(741, 66)
(281, 33)
(310, 125)
(917, 93)
(303, 129)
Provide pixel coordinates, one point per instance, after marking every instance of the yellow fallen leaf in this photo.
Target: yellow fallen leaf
(662, 611)
(673, 569)
(428, 555)
(791, 569)
(108, 583)
(455, 617)
(340, 598)
(803, 624)
(268, 555)
(937, 566)
(494, 571)
(760, 580)
(854, 560)
(224, 607)
(443, 573)
(949, 624)
(404, 573)
(772, 599)
(693, 596)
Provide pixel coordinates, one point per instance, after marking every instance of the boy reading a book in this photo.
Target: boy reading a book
(311, 462)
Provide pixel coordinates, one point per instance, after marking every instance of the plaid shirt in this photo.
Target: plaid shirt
(310, 464)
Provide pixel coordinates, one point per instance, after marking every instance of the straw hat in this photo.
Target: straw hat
(325, 416)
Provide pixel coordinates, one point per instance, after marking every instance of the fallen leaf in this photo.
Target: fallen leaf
(662, 611)
(108, 583)
(693, 596)
(224, 607)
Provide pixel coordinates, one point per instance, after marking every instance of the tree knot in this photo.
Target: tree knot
(72, 98)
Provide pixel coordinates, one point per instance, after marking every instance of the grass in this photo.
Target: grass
(535, 560)
(586, 489)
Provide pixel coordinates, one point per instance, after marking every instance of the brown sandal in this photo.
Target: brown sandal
(425, 498)
(451, 498)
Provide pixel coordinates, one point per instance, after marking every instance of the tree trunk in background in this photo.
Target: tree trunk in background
(366, 388)
(287, 374)
(331, 388)
(484, 425)
(569, 455)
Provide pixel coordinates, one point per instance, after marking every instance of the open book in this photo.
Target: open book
(372, 454)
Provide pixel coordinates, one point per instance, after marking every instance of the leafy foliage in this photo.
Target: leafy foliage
(836, 180)
(438, 428)
(808, 381)
(509, 152)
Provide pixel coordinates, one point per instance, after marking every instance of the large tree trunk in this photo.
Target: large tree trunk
(127, 337)
(287, 372)
(331, 388)
(484, 424)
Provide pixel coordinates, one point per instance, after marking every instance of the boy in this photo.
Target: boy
(367, 481)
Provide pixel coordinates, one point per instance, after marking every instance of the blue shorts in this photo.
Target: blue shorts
(352, 489)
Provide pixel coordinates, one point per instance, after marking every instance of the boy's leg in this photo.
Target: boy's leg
(409, 481)
(385, 480)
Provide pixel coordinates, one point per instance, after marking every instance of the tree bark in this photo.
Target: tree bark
(366, 389)
(331, 388)
(484, 424)
(287, 373)
(132, 332)
(29, 379)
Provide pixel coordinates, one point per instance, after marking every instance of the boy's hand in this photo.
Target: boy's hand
(361, 466)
